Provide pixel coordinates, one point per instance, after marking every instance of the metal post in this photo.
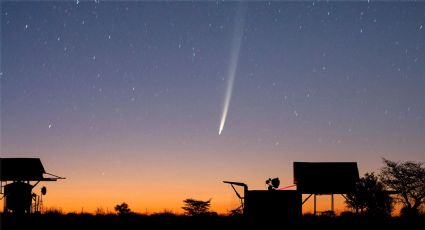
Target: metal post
(314, 204)
(332, 202)
(41, 204)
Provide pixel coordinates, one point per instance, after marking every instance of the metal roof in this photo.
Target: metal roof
(22, 169)
(325, 177)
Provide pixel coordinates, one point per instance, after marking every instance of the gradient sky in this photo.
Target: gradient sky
(124, 99)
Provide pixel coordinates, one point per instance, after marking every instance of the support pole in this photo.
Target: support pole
(332, 202)
(315, 204)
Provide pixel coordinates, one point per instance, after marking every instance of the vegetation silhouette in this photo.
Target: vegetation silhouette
(194, 207)
(370, 197)
(236, 212)
(122, 209)
(80, 221)
(408, 180)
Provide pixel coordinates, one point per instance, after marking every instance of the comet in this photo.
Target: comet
(233, 65)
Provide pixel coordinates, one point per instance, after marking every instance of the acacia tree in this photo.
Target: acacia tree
(407, 179)
(122, 209)
(370, 197)
(194, 207)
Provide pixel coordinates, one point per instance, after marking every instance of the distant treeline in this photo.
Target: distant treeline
(74, 221)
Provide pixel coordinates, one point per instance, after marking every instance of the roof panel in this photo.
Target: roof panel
(325, 177)
(26, 169)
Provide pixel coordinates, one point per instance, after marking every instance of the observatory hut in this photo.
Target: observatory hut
(313, 178)
(18, 177)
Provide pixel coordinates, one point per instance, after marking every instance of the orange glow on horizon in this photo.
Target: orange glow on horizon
(161, 181)
(323, 204)
(67, 199)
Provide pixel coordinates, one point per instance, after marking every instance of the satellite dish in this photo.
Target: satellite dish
(44, 190)
(273, 183)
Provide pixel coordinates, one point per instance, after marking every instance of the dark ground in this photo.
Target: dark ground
(166, 221)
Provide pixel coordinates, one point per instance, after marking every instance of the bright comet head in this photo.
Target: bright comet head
(220, 129)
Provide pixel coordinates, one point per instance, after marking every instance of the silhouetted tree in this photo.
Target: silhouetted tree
(408, 180)
(194, 207)
(236, 212)
(122, 209)
(370, 197)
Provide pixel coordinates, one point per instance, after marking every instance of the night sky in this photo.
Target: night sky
(125, 99)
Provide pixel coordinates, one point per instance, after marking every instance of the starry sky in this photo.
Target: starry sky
(124, 99)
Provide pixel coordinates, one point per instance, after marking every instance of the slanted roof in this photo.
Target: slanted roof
(325, 177)
(22, 169)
